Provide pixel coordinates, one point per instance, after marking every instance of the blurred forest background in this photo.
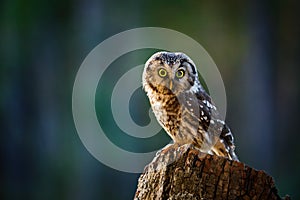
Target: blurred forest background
(255, 44)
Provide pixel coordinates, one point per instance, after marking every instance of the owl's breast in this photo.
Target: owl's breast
(167, 111)
(158, 109)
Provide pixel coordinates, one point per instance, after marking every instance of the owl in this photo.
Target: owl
(182, 107)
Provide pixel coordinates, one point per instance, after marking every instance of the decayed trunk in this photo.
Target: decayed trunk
(186, 173)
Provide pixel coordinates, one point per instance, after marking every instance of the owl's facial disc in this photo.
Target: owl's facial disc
(170, 72)
(164, 78)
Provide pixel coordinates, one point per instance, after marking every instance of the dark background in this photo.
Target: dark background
(255, 44)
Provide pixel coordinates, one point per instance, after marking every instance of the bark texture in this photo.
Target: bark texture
(186, 173)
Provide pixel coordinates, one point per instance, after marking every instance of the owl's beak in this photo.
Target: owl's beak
(171, 84)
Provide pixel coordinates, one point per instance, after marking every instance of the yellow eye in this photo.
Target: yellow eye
(180, 73)
(162, 72)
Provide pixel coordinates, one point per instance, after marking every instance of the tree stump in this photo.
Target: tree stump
(186, 173)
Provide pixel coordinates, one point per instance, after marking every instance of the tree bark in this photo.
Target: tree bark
(186, 173)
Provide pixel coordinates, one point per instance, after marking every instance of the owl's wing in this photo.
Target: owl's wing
(201, 107)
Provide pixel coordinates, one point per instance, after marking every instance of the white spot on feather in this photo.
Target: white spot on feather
(194, 88)
(189, 104)
(220, 121)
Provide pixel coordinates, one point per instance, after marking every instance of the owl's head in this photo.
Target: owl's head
(170, 72)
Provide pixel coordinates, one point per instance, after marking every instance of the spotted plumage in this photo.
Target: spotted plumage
(182, 106)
